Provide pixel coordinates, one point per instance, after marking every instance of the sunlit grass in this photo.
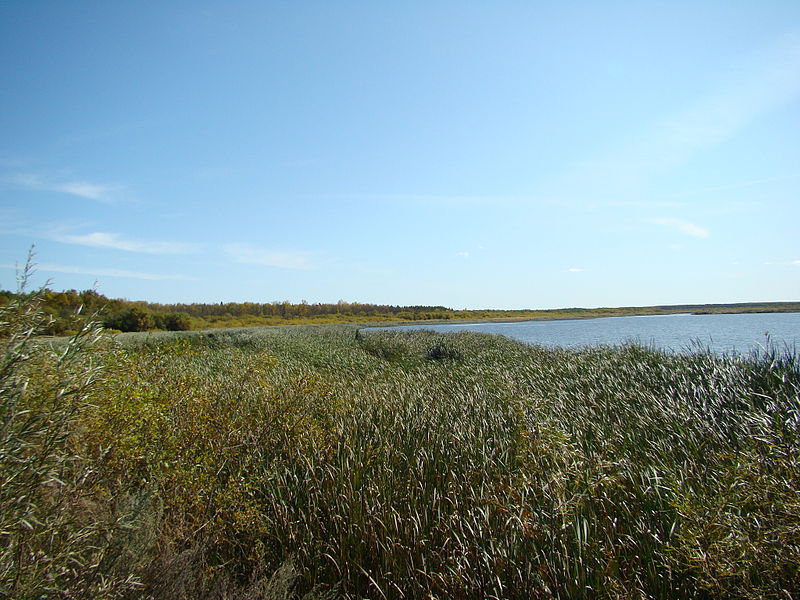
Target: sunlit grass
(282, 461)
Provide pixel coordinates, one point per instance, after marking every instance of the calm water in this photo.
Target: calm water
(740, 333)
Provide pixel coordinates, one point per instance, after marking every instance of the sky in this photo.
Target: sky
(467, 154)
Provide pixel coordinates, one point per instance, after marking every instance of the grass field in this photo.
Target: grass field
(322, 462)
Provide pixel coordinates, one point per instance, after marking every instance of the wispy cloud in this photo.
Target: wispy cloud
(103, 272)
(734, 186)
(783, 262)
(683, 227)
(254, 255)
(372, 270)
(643, 204)
(463, 254)
(448, 199)
(574, 270)
(81, 189)
(763, 82)
(116, 241)
(11, 222)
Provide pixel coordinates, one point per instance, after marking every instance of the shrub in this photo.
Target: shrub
(177, 322)
(442, 351)
(56, 539)
(131, 319)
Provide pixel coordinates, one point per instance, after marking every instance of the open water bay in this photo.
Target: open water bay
(721, 333)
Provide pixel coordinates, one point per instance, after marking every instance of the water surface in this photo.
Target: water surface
(721, 333)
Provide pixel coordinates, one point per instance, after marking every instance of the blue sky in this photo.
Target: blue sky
(469, 154)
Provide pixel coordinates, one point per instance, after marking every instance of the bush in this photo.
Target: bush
(56, 538)
(442, 351)
(131, 319)
(177, 322)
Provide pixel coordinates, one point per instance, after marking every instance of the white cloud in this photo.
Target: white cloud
(115, 241)
(92, 191)
(82, 189)
(778, 262)
(644, 204)
(574, 270)
(248, 254)
(769, 81)
(449, 199)
(103, 272)
(463, 254)
(762, 83)
(734, 186)
(682, 226)
(11, 221)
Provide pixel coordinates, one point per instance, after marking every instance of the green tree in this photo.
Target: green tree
(131, 319)
(177, 322)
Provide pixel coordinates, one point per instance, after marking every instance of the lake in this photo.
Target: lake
(721, 333)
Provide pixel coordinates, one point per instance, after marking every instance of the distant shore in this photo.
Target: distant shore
(600, 313)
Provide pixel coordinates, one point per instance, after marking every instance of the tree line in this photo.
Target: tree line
(69, 309)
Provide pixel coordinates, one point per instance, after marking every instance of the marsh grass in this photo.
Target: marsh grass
(328, 462)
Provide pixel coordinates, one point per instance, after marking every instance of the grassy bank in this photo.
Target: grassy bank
(69, 310)
(278, 462)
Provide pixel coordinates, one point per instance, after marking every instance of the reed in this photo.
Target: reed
(315, 460)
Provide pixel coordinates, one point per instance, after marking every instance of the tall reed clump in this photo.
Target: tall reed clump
(202, 426)
(405, 465)
(685, 469)
(55, 540)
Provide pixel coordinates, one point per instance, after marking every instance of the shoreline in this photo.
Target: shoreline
(590, 314)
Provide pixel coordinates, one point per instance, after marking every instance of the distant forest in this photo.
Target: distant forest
(70, 309)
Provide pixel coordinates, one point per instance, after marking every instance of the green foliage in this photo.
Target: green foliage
(174, 322)
(442, 351)
(131, 319)
(324, 460)
(70, 310)
(55, 539)
(136, 318)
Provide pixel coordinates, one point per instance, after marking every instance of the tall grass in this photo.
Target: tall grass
(55, 538)
(279, 462)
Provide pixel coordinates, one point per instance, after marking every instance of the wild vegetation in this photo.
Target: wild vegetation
(327, 462)
(70, 310)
